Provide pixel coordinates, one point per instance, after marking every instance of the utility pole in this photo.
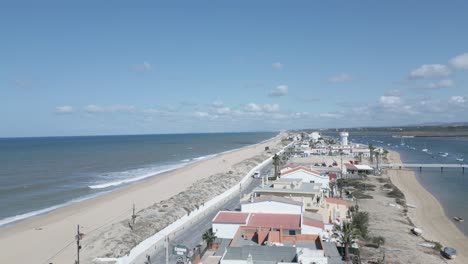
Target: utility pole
(167, 249)
(133, 216)
(79, 237)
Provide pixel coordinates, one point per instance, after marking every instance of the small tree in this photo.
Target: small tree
(209, 236)
(345, 234)
(360, 220)
(340, 184)
(276, 164)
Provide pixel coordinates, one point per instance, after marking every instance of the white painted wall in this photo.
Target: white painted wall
(225, 230)
(307, 177)
(271, 207)
(311, 230)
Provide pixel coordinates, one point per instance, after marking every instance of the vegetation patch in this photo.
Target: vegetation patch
(362, 195)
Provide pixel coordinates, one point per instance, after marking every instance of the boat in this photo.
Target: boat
(460, 159)
(449, 252)
(459, 219)
(427, 244)
(424, 150)
(417, 231)
(444, 154)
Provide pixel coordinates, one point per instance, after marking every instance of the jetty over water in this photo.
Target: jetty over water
(423, 165)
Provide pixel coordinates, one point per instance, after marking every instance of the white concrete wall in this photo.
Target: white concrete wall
(271, 207)
(311, 230)
(225, 230)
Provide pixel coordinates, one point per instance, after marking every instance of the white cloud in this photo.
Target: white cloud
(64, 109)
(458, 99)
(280, 90)
(330, 115)
(344, 77)
(95, 109)
(460, 61)
(223, 110)
(277, 66)
(143, 67)
(430, 71)
(201, 114)
(390, 100)
(253, 108)
(268, 108)
(217, 104)
(446, 83)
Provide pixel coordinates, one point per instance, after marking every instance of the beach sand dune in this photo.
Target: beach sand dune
(49, 238)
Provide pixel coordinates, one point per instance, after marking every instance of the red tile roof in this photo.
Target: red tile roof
(286, 221)
(336, 201)
(313, 222)
(302, 168)
(231, 218)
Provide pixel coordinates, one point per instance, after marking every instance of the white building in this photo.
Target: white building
(272, 205)
(225, 224)
(344, 138)
(306, 175)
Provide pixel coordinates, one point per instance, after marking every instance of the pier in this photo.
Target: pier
(424, 165)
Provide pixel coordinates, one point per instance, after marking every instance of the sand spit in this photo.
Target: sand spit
(118, 239)
(429, 214)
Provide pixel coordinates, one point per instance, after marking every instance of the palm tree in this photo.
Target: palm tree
(276, 163)
(371, 149)
(346, 234)
(340, 185)
(332, 188)
(209, 236)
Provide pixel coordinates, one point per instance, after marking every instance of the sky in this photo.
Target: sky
(148, 67)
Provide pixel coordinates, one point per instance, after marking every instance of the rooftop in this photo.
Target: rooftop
(231, 217)
(263, 255)
(272, 198)
(286, 221)
(290, 186)
(301, 168)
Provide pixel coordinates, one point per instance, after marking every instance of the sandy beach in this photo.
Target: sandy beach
(49, 238)
(428, 215)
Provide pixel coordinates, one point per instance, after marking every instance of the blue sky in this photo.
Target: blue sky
(173, 67)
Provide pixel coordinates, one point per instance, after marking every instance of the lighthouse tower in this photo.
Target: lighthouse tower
(344, 138)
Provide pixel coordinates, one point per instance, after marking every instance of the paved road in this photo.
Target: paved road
(192, 236)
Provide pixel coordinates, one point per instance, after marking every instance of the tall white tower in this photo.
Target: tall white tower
(344, 138)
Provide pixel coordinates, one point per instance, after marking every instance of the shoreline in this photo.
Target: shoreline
(113, 186)
(429, 215)
(58, 227)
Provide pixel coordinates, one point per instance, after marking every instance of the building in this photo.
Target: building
(226, 224)
(272, 205)
(306, 175)
(310, 194)
(344, 138)
(356, 168)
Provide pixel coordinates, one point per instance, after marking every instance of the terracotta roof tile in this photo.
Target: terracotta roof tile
(231, 218)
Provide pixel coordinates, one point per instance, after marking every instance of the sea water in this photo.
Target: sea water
(38, 175)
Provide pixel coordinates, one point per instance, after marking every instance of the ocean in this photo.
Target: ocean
(38, 175)
(450, 187)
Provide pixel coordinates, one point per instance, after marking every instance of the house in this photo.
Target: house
(357, 168)
(311, 194)
(271, 204)
(336, 210)
(306, 175)
(226, 224)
